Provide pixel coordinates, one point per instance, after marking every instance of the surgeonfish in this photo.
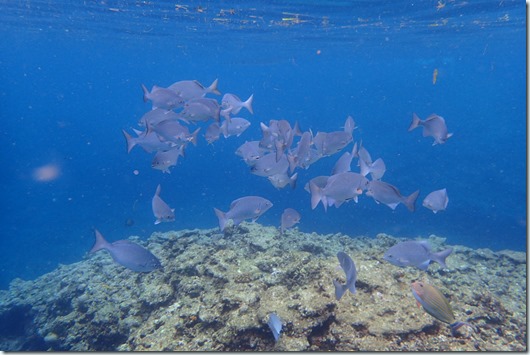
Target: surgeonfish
(290, 217)
(433, 126)
(127, 253)
(436, 200)
(415, 253)
(248, 207)
(435, 304)
(275, 324)
(347, 264)
(161, 210)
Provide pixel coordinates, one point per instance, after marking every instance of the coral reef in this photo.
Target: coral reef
(215, 292)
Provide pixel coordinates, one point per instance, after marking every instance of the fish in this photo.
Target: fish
(434, 303)
(343, 164)
(212, 133)
(319, 181)
(267, 165)
(231, 104)
(192, 89)
(153, 117)
(128, 254)
(235, 127)
(415, 253)
(434, 76)
(163, 160)
(201, 109)
(436, 200)
(348, 266)
(248, 207)
(148, 140)
(172, 131)
(281, 180)
(433, 126)
(339, 189)
(290, 217)
(333, 142)
(389, 195)
(275, 324)
(376, 169)
(251, 152)
(161, 210)
(162, 98)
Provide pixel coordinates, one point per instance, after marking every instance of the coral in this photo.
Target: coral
(215, 292)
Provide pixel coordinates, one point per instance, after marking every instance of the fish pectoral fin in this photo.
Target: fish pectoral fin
(424, 265)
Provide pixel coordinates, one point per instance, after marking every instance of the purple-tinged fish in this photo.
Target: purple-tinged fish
(435, 304)
(376, 169)
(343, 164)
(339, 189)
(128, 254)
(153, 117)
(172, 131)
(251, 152)
(436, 200)
(389, 195)
(348, 266)
(212, 133)
(231, 104)
(415, 253)
(281, 180)
(163, 160)
(235, 127)
(201, 109)
(161, 210)
(433, 126)
(248, 207)
(148, 140)
(192, 89)
(332, 142)
(275, 324)
(268, 166)
(163, 98)
(319, 181)
(290, 217)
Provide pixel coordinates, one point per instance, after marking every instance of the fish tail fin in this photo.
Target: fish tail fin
(296, 129)
(349, 125)
(316, 195)
(440, 257)
(378, 169)
(339, 290)
(248, 104)
(100, 242)
(131, 142)
(146, 93)
(193, 138)
(415, 122)
(224, 128)
(456, 325)
(365, 169)
(158, 189)
(222, 218)
(213, 87)
(355, 151)
(410, 201)
(292, 180)
(293, 162)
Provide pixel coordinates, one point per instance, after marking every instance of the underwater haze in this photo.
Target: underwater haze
(71, 77)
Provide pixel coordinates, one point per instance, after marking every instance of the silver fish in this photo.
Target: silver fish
(248, 207)
(201, 109)
(212, 132)
(251, 152)
(161, 210)
(162, 98)
(235, 127)
(268, 166)
(348, 266)
(343, 164)
(148, 140)
(281, 180)
(192, 89)
(128, 254)
(231, 104)
(163, 160)
(433, 126)
(332, 142)
(289, 218)
(436, 200)
(339, 189)
(389, 195)
(153, 117)
(415, 253)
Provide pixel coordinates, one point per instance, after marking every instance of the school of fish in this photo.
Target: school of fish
(181, 110)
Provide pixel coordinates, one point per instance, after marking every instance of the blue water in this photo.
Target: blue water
(70, 82)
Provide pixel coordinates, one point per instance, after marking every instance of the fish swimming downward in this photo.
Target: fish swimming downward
(435, 304)
(127, 253)
(415, 253)
(436, 200)
(347, 264)
(161, 210)
(289, 218)
(275, 324)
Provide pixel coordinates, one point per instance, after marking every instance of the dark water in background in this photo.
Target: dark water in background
(70, 81)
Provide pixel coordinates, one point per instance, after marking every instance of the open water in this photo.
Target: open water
(71, 72)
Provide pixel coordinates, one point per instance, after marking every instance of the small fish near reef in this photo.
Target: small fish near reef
(435, 304)
(275, 323)
(415, 253)
(128, 254)
(161, 210)
(248, 207)
(433, 126)
(289, 218)
(436, 200)
(347, 264)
